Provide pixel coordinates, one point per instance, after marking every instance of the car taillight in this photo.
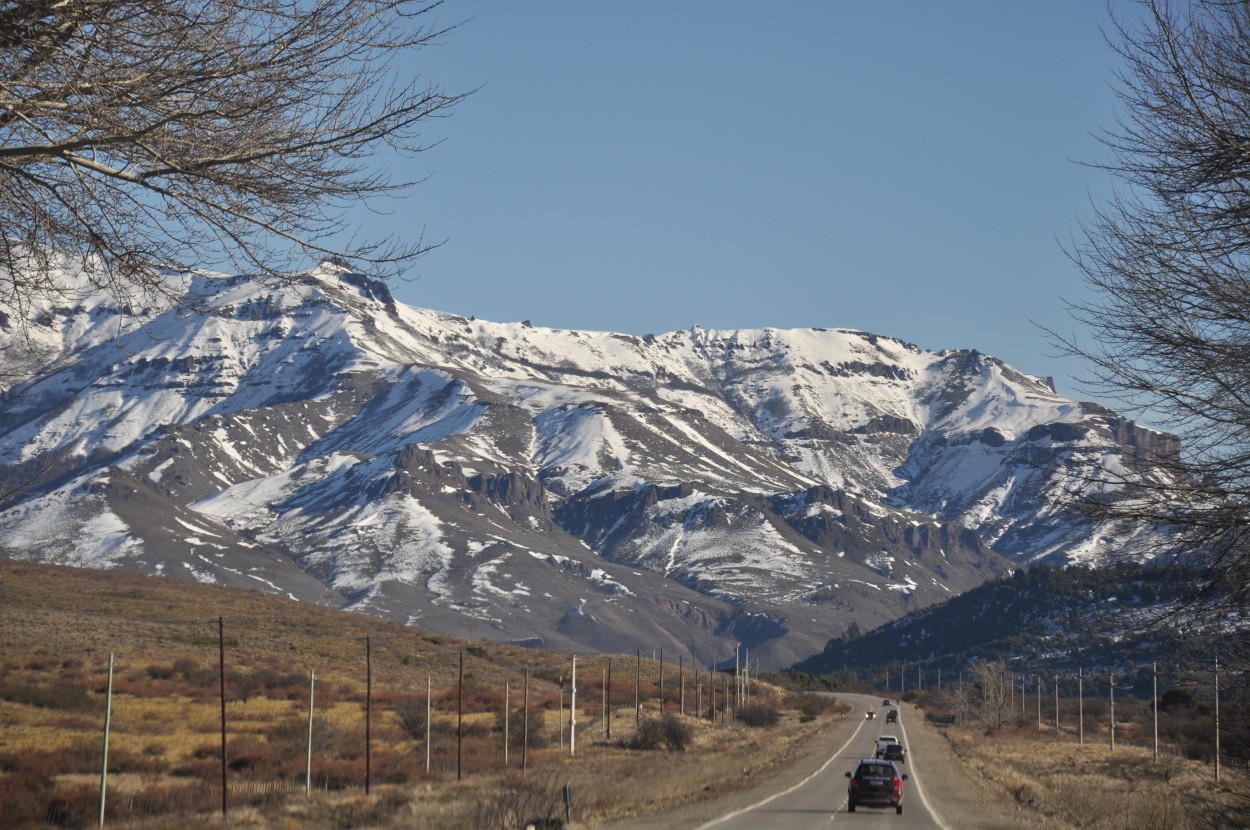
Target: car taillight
(898, 783)
(855, 783)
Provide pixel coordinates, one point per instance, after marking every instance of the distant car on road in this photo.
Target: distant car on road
(871, 714)
(893, 752)
(875, 783)
(885, 702)
(891, 716)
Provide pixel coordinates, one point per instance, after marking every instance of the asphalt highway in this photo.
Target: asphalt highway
(820, 800)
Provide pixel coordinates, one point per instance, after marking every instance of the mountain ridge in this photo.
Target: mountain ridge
(585, 489)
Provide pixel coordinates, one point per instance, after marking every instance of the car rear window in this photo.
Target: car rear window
(876, 769)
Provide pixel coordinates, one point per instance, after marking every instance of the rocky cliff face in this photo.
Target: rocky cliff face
(587, 490)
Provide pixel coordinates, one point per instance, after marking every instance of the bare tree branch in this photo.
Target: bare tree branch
(1168, 261)
(179, 134)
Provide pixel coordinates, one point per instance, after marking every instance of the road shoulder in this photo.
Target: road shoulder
(956, 793)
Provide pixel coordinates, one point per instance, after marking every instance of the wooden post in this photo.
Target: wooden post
(604, 689)
(1056, 705)
(1217, 720)
(525, 728)
(661, 681)
(746, 676)
(560, 713)
(637, 692)
(221, 670)
(506, 702)
(368, 713)
(108, 714)
(573, 709)
(312, 691)
(429, 681)
(1080, 703)
(1154, 703)
(460, 718)
(609, 699)
(681, 680)
(737, 678)
(1039, 702)
(1112, 730)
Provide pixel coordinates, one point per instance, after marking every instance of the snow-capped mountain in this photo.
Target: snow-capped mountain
(586, 490)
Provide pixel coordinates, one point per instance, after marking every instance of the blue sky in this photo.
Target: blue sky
(906, 168)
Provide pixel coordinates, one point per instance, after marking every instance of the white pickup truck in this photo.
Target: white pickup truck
(898, 754)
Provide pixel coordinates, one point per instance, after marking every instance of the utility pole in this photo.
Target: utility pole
(525, 725)
(507, 702)
(1080, 698)
(661, 681)
(573, 709)
(368, 713)
(1112, 675)
(460, 717)
(637, 691)
(1056, 705)
(221, 671)
(1154, 703)
(1217, 720)
(108, 714)
(608, 698)
(737, 679)
(1039, 702)
(746, 675)
(312, 689)
(681, 681)
(429, 683)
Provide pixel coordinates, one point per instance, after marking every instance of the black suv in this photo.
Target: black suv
(875, 784)
(892, 716)
(894, 752)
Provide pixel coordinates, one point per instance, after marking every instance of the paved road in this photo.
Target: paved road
(820, 800)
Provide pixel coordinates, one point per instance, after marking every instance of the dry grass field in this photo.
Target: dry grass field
(59, 625)
(1059, 783)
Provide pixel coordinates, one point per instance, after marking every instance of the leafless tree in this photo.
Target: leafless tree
(1169, 263)
(140, 135)
(989, 690)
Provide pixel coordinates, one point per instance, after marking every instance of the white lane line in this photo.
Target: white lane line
(915, 780)
(823, 767)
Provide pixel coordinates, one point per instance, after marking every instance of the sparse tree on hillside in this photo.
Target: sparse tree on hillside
(1169, 264)
(201, 133)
